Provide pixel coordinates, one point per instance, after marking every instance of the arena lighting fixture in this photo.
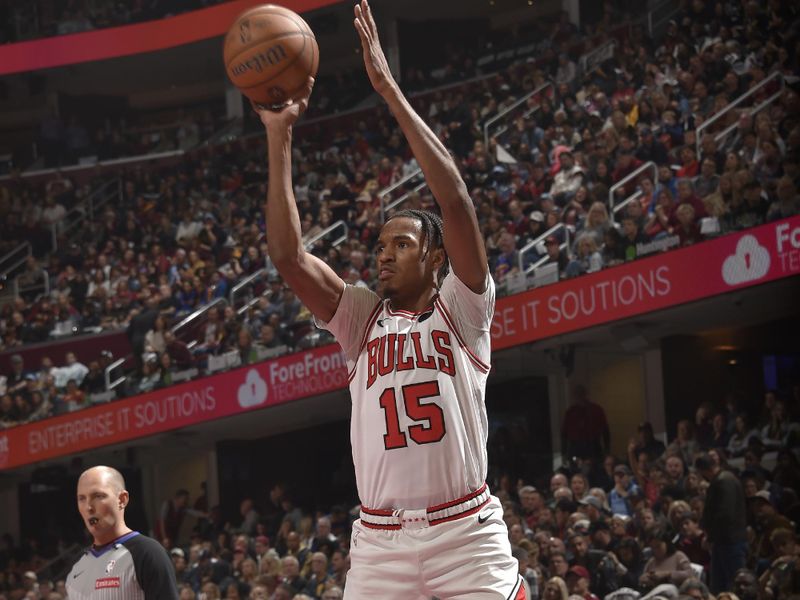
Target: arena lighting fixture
(733, 362)
(726, 348)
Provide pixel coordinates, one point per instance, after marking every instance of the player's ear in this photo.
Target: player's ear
(123, 498)
(437, 259)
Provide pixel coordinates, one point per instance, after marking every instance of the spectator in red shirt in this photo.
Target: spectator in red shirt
(627, 163)
(584, 431)
(578, 579)
(686, 195)
(689, 165)
(518, 222)
(687, 230)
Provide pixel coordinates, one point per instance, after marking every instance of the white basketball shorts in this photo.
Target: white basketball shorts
(458, 551)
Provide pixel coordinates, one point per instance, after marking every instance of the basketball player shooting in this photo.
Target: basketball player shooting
(418, 357)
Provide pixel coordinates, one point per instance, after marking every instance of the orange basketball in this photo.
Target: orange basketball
(269, 53)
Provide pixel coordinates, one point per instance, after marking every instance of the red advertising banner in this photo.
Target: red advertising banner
(132, 39)
(257, 386)
(752, 257)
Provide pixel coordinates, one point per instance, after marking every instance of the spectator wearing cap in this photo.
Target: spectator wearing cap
(592, 507)
(555, 254)
(535, 227)
(623, 487)
(180, 565)
(767, 520)
(584, 430)
(724, 521)
(578, 580)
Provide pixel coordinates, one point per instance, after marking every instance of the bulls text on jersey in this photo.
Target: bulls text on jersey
(402, 352)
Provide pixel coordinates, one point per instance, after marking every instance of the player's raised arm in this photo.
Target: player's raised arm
(462, 238)
(314, 282)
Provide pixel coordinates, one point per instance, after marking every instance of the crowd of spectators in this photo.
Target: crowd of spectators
(180, 236)
(24, 20)
(656, 523)
(67, 141)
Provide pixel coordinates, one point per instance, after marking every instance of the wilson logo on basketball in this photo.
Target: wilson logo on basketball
(260, 61)
(107, 582)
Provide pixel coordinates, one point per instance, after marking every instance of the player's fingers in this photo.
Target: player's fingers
(370, 20)
(308, 89)
(362, 33)
(362, 22)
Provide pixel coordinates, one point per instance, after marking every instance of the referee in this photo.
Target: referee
(121, 563)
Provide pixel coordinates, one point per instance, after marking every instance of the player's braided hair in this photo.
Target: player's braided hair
(432, 232)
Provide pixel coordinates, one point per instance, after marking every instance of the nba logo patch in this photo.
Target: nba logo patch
(110, 566)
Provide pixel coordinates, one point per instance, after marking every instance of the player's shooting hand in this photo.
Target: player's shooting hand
(283, 117)
(374, 59)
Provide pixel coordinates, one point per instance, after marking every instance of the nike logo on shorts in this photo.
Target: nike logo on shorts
(482, 519)
(77, 575)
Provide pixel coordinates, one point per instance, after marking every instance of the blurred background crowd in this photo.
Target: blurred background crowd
(179, 236)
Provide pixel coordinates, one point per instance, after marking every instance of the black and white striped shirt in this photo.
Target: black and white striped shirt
(132, 567)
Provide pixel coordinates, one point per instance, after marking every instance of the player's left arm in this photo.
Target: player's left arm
(154, 570)
(462, 237)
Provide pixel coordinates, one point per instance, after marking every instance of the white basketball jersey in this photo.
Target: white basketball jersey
(418, 425)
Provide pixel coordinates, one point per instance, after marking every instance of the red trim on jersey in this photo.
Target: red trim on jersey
(376, 512)
(460, 515)
(374, 526)
(373, 316)
(520, 591)
(461, 500)
(407, 313)
(449, 320)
